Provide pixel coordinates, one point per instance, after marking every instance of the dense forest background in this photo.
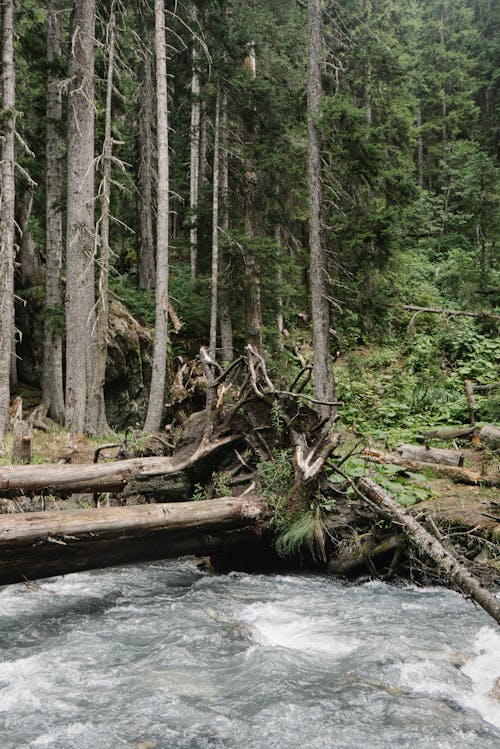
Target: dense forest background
(409, 124)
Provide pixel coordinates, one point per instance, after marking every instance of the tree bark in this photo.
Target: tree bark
(157, 392)
(226, 324)
(37, 545)
(52, 375)
(432, 548)
(146, 149)
(431, 455)
(7, 214)
(460, 475)
(97, 408)
(253, 308)
(80, 226)
(194, 170)
(215, 229)
(101, 477)
(324, 382)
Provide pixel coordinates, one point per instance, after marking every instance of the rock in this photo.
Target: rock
(128, 372)
(130, 355)
(495, 691)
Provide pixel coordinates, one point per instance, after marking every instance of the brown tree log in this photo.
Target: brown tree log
(101, 477)
(431, 455)
(35, 545)
(458, 575)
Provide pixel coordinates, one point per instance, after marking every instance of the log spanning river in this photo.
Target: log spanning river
(163, 656)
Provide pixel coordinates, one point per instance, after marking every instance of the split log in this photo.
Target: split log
(431, 455)
(41, 544)
(104, 477)
(459, 475)
(458, 575)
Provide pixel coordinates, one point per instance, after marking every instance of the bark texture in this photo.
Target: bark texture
(194, 169)
(215, 230)
(324, 382)
(157, 392)
(80, 226)
(7, 215)
(97, 410)
(146, 153)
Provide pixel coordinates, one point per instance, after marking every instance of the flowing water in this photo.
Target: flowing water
(164, 656)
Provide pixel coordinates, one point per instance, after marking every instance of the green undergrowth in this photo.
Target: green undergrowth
(390, 391)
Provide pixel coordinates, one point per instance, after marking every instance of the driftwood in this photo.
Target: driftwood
(41, 544)
(431, 455)
(459, 475)
(454, 571)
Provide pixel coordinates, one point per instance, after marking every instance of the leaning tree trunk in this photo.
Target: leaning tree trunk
(80, 226)
(431, 547)
(52, 375)
(7, 214)
(146, 148)
(97, 410)
(194, 169)
(324, 382)
(157, 392)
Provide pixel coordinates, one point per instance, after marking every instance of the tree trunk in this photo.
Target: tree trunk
(42, 544)
(118, 476)
(80, 227)
(431, 455)
(324, 382)
(194, 170)
(253, 308)
(7, 215)
(226, 324)
(157, 392)
(215, 229)
(52, 375)
(146, 149)
(456, 473)
(432, 548)
(97, 410)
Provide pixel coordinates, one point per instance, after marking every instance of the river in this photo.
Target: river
(164, 656)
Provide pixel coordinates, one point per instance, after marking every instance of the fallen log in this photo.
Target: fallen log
(431, 455)
(91, 478)
(431, 547)
(457, 474)
(448, 434)
(451, 312)
(42, 544)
